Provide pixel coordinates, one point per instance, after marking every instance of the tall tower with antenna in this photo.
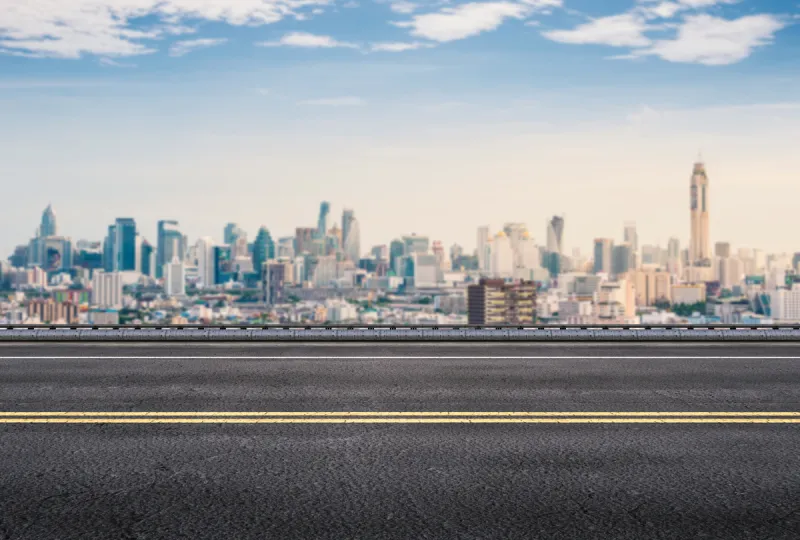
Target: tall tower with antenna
(699, 243)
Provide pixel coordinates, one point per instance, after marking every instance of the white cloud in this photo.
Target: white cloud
(73, 28)
(704, 39)
(179, 48)
(304, 39)
(349, 101)
(108, 62)
(402, 6)
(463, 21)
(664, 10)
(398, 46)
(624, 30)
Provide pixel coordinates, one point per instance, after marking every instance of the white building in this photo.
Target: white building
(426, 270)
(786, 304)
(205, 261)
(107, 289)
(174, 278)
(502, 257)
(483, 249)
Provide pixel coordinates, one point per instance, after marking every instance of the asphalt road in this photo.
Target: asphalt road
(250, 477)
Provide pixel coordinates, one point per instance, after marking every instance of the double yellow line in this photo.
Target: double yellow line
(394, 417)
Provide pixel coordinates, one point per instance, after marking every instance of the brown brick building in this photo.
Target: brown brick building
(495, 301)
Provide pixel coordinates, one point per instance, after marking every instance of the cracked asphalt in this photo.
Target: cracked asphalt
(637, 481)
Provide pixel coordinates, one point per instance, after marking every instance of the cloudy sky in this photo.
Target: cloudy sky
(428, 117)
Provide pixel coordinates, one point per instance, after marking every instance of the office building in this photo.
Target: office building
(204, 253)
(603, 252)
(425, 270)
(170, 243)
(631, 236)
(124, 245)
(52, 312)
(651, 286)
(699, 245)
(623, 259)
(555, 235)
(495, 301)
(351, 236)
(304, 241)
(502, 255)
(273, 279)
(174, 273)
(107, 289)
(264, 248)
(416, 244)
(322, 220)
(48, 226)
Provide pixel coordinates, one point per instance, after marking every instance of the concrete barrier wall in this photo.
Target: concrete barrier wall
(399, 334)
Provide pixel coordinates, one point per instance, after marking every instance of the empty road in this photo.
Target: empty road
(399, 441)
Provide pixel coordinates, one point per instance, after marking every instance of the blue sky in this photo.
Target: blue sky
(432, 117)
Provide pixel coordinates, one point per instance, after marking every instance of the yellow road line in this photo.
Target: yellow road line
(442, 420)
(387, 414)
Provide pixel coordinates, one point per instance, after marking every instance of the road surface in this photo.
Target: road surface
(399, 441)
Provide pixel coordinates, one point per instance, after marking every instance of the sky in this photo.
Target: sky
(424, 117)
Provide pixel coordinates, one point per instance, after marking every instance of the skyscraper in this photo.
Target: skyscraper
(482, 248)
(263, 249)
(169, 244)
(322, 221)
(125, 253)
(555, 235)
(699, 246)
(631, 236)
(603, 250)
(231, 232)
(48, 227)
(205, 261)
(351, 236)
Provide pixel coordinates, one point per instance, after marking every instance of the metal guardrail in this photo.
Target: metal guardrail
(715, 326)
(388, 333)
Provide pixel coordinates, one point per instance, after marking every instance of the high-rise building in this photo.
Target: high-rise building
(273, 277)
(108, 249)
(555, 235)
(495, 301)
(416, 244)
(48, 226)
(502, 256)
(303, 242)
(174, 277)
(397, 250)
(603, 252)
(651, 286)
(699, 245)
(223, 264)
(107, 289)
(482, 249)
(722, 249)
(351, 236)
(169, 244)
(322, 220)
(146, 258)
(263, 249)
(623, 259)
(125, 254)
(205, 261)
(631, 236)
(231, 232)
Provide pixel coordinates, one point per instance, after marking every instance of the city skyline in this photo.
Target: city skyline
(698, 246)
